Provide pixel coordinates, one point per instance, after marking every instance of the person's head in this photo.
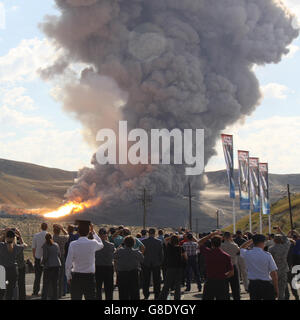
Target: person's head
(49, 240)
(56, 229)
(189, 237)
(216, 241)
(160, 232)
(278, 239)
(120, 227)
(10, 236)
(126, 232)
(166, 235)
(174, 241)
(70, 229)
(271, 236)
(238, 234)
(44, 226)
(139, 236)
(129, 241)
(152, 232)
(227, 236)
(259, 240)
(144, 233)
(103, 234)
(83, 229)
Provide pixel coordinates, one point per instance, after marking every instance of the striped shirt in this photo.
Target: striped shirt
(190, 248)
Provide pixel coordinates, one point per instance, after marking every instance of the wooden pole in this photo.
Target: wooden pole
(290, 207)
(190, 207)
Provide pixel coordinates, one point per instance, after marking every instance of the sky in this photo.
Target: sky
(34, 128)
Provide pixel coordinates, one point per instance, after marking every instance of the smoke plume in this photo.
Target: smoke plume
(162, 64)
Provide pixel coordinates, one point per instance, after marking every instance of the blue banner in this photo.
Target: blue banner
(254, 183)
(227, 142)
(243, 158)
(264, 187)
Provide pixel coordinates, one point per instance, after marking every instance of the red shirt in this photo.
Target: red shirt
(217, 262)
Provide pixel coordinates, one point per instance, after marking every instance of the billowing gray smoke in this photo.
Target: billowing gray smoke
(172, 64)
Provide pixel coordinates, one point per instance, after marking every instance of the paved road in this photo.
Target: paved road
(192, 295)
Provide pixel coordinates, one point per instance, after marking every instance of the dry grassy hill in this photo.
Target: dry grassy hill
(279, 216)
(27, 185)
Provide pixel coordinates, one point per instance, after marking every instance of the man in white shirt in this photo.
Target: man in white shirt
(80, 263)
(262, 269)
(37, 251)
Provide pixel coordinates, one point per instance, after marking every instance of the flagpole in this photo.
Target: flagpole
(260, 220)
(233, 215)
(270, 223)
(250, 220)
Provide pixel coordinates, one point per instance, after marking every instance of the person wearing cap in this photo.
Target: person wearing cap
(230, 247)
(104, 267)
(190, 246)
(218, 268)
(280, 251)
(262, 269)
(153, 259)
(10, 253)
(80, 263)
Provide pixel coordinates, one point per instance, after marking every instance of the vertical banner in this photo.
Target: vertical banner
(227, 142)
(243, 158)
(254, 183)
(264, 187)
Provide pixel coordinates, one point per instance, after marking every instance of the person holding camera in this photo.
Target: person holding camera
(10, 254)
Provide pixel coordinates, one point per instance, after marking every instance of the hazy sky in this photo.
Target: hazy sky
(33, 128)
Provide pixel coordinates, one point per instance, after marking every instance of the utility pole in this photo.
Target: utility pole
(146, 200)
(218, 219)
(190, 206)
(290, 206)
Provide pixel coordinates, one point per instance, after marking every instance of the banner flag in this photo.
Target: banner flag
(254, 183)
(227, 142)
(243, 158)
(264, 187)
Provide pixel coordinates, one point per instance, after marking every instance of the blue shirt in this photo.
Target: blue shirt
(259, 263)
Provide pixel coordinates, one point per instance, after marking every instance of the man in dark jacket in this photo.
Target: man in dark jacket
(153, 258)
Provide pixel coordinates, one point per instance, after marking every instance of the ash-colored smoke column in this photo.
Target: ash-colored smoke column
(162, 64)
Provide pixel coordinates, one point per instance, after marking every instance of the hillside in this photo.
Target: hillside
(27, 185)
(279, 217)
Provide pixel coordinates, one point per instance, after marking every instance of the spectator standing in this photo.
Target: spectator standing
(191, 249)
(261, 269)
(239, 240)
(80, 263)
(218, 268)
(153, 259)
(104, 267)
(51, 263)
(37, 251)
(174, 265)
(9, 256)
(290, 260)
(61, 240)
(280, 252)
(231, 248)
(128, 262)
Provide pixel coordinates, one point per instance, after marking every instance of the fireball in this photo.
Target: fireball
(72, 207)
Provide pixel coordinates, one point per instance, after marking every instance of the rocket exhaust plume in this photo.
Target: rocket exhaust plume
(161, 64)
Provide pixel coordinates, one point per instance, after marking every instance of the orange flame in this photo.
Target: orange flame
(72, 207)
